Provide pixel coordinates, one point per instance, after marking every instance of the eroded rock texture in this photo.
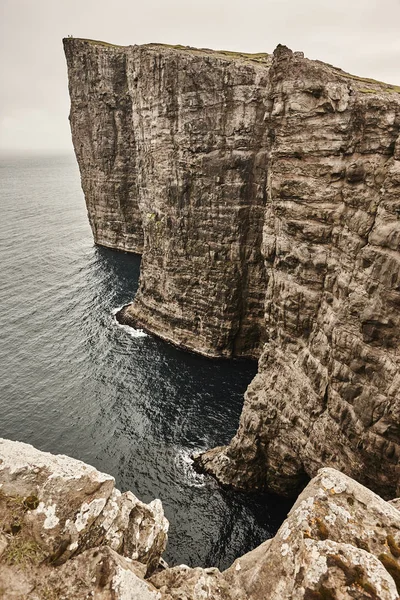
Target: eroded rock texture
(67, 534)
(195, 148)
(269, 196)
(56, 511)
(340, 541)
(328, 387)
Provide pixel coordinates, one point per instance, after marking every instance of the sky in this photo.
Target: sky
(359, 36)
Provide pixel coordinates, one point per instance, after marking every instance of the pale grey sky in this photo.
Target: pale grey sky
(360, 36)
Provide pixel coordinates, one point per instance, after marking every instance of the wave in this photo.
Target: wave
(184, 464)
(135, 333)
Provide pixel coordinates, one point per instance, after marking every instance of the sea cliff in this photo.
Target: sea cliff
(264, 193)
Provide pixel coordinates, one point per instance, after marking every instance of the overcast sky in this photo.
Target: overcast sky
(360, 36)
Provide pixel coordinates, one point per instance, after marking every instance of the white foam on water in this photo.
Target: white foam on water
(184, 464)
(116, 310)
(135, 333)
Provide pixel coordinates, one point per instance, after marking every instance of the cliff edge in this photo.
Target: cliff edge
(264, 193)
(66, 533)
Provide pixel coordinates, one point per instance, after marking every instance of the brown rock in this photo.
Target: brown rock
(268, 190)
(339, 542)
(55, 507)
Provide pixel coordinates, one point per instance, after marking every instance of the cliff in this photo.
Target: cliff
(67, 533)
(180, 134)
(267, 191)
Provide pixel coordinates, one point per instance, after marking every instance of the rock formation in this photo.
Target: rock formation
(196, 160)
(268, 193)
(67, 534)
(56, 511)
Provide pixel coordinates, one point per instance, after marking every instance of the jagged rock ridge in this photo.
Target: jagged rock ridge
(267, 190)
(67, 534)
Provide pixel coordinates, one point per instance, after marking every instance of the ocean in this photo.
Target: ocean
(75, 382)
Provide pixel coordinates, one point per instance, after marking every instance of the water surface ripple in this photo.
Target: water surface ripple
(74, 382)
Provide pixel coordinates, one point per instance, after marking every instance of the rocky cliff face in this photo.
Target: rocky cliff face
(104, 143)
(181, 134)
(328, 387)
(268, 192)
(67, 533)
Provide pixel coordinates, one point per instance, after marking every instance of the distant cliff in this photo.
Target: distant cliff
(264, 192)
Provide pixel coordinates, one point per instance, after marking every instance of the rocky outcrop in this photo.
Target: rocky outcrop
(67, 533)
(339, 542)
(56, 511)
(268, 193)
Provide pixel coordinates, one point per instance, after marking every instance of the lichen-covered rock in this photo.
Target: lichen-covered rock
(268, 192)
(55, 507)
(133, 528)
(98, 573)
(184, 583)
(340, 542)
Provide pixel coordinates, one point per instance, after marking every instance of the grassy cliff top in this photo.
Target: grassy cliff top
(260, 57)
(364, 85)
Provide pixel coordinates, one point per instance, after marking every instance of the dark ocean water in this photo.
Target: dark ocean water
(74, 382)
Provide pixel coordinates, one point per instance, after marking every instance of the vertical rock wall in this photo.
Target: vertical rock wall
(269, 198)
(104, 142)
(172, 143)
(202, 176)
(328, 387)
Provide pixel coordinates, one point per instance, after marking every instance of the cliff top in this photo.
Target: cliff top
(260, 57)
(364, 85)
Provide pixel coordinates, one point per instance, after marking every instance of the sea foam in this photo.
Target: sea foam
(135, 333)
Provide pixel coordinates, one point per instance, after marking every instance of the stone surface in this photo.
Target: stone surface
(395, 502)
(98, 573)
(340, 541)
(55, 507)
(268, 190)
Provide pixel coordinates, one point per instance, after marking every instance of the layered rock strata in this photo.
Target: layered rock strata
(327, 390)
(193, 139)
(67, 533)
(268, 190)
(104, 143)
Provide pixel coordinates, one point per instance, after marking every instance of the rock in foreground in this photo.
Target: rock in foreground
(62, 521)
(68, 534)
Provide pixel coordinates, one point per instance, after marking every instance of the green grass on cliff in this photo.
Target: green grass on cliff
(383, 87)
(372, 85)
(99, 43)
(259, 57)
